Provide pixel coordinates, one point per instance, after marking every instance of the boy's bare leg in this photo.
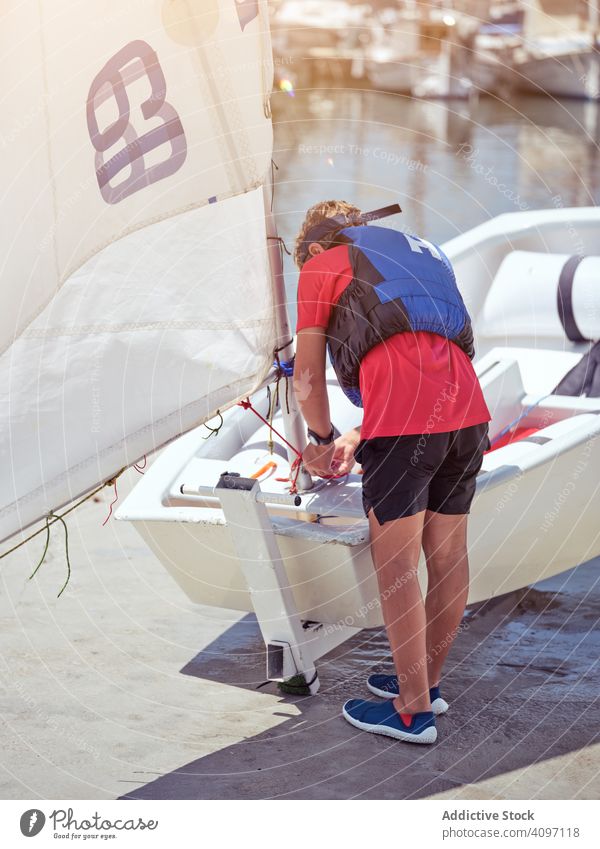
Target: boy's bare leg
(445, 547)
(395, 548)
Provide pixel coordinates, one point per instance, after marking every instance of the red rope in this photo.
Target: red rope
(247, 405)
(138, 466)
(110, 506)
(295, 471)
(295, 467)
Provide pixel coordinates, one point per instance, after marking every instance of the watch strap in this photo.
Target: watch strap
(321, 440)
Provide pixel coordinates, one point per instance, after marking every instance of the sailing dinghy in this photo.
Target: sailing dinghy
(154, 301)
(305, 568)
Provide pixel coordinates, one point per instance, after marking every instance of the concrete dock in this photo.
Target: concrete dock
(122, 688)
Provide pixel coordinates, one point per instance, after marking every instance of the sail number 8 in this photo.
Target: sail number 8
(119, 147)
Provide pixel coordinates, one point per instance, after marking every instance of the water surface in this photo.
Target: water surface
(450, 166)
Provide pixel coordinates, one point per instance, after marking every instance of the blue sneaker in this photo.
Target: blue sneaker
(386, 687)
(383, 718)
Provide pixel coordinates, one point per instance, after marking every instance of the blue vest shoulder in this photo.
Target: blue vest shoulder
(395, 254)
(401, 283)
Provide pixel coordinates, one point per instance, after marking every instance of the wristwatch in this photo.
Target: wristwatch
(315, 439)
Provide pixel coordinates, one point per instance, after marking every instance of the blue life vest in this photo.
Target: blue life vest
(400, 283)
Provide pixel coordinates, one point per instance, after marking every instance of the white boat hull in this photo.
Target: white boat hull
(535, 512)
(386, 75)
(575, 74)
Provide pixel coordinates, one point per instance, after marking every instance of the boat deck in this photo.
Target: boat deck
(123, 688)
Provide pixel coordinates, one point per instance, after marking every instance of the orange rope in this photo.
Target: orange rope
(296, 465)
(270, 465)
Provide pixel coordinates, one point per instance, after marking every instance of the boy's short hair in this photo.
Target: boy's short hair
(317, 213)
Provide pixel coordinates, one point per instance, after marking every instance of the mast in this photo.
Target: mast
(293, 423)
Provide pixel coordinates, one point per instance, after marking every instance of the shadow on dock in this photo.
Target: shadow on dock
(522, 680)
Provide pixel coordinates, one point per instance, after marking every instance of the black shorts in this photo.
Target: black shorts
(403, 475)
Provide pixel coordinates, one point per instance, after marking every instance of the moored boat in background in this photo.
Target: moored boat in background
(560, 53)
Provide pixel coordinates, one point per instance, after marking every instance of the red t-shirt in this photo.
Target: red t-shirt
(411, 383)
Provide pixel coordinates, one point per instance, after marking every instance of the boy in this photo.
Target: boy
(387, 307)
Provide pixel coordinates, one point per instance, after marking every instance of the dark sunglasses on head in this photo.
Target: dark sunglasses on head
(326, 231)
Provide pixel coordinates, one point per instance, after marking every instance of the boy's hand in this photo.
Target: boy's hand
(345, 446)
(317, 459)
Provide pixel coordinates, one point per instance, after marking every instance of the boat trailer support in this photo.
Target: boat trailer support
(293, 645)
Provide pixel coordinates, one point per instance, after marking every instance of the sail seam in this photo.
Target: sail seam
(90, 329)
(172, 213)
(155, 219)
(259, 378)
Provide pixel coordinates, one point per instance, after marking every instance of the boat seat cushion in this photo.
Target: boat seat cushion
(541, 439)
(523, 298)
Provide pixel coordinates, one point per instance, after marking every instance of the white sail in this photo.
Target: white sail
(135, 297)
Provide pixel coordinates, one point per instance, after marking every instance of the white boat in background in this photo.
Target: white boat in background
(306, 569)
(318, 41)
(300, 25)
(560, 66)
(390, 70)
(393, 55)
(491, 52)
(442, 80)
(559, 54)
(416, 52)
